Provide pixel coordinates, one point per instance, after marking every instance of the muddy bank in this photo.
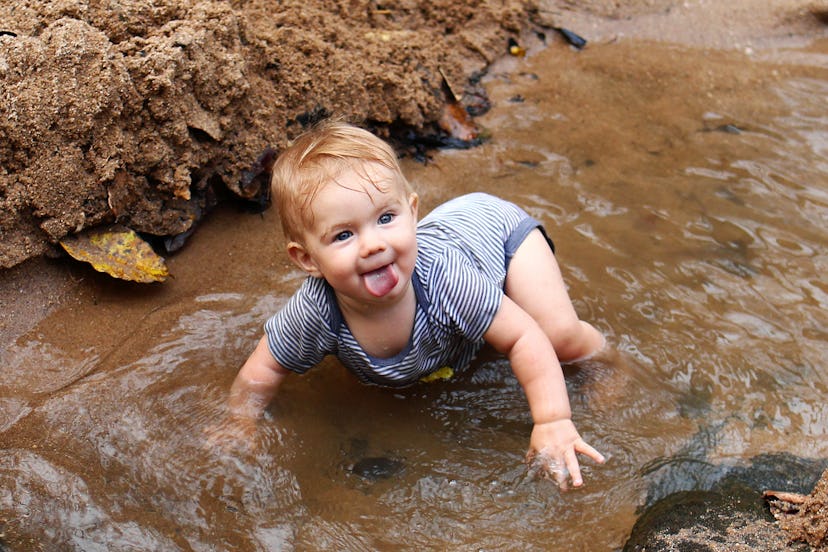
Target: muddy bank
(726, 510)
(142, 112)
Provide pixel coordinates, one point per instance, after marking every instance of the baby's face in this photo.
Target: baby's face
(363, 236)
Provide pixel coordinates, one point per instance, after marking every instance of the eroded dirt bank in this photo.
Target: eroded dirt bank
(141, 112)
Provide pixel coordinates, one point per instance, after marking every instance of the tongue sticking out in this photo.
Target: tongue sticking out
(381, 281)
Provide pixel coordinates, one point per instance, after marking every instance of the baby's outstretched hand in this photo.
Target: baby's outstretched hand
(553, 449)
(232, 432)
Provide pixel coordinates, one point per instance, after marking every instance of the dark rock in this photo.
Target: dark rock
(714, 521)
(696, 505)
(374, 468)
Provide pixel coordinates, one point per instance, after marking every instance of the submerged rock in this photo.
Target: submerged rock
(374, 468)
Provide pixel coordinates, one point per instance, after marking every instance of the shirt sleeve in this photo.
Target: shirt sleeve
(463, 299)
(298, 336)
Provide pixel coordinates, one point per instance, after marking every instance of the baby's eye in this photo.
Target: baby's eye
(342, 236)
(386, 218)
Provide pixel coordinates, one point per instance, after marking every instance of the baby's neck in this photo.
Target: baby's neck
(382, 330)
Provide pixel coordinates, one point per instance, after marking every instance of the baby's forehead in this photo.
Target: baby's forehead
(372, 178)
(368, 176)
(368, 169)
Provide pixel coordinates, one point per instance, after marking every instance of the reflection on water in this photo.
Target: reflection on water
(687, 197)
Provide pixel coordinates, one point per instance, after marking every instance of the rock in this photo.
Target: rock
(727, 512)
(374, 468)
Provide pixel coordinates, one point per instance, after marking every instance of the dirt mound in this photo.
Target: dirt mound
(804, 518)
(139, 111)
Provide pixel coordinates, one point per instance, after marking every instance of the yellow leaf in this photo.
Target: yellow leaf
(119, 252)
(445, 373)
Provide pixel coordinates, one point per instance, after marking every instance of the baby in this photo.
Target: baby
(397, 301)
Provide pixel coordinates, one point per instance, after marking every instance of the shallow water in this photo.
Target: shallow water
(687, 193)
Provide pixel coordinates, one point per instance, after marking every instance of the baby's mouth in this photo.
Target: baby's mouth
(380, 281)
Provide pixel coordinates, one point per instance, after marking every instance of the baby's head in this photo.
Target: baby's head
(315, 159)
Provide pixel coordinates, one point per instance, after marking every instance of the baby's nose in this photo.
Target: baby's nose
(372, 243)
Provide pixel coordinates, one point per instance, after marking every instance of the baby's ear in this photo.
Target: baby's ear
(302, 258)
(413, 202)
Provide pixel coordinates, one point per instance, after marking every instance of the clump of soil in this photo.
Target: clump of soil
(140, 111)
(804, 518)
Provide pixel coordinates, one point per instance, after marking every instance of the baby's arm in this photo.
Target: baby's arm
(256, 383)
(254, 387)
(516, 334)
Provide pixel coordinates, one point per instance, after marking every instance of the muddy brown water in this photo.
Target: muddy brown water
(687, 193)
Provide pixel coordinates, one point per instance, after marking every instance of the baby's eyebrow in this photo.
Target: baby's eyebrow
(334, 229)
(392, 200)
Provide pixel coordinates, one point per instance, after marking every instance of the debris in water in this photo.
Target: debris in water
(574, 39)
(785, 496)
(728, 129)
(516, 49)
(448, 89)
(454, 119)
(255, 183)
(176, 242)
(203, 200)
(119, 252)
(802, 516)
(475, 99)
(441, 374)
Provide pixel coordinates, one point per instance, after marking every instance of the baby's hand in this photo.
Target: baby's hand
(553, 450)
(232, 432)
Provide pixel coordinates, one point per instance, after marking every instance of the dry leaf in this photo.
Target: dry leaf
(119, 252)
(455, 120)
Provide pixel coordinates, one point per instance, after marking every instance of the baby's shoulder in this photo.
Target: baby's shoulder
(460, 206)
(314, 297)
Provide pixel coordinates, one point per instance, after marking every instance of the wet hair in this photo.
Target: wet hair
(315, 159)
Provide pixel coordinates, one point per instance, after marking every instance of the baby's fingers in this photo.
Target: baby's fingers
(584, 448)
(574, 469)
(545, 466)
(232, 434)
(571, 457)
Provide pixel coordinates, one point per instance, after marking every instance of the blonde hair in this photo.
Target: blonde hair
(315, 159)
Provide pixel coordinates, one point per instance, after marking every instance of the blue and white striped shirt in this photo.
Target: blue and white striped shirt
(463, 251)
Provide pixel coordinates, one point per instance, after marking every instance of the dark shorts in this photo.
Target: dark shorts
(519, 235)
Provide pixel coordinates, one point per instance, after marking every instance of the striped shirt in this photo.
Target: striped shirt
(463, 251)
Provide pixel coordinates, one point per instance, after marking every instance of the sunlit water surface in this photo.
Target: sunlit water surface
(686, 192)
